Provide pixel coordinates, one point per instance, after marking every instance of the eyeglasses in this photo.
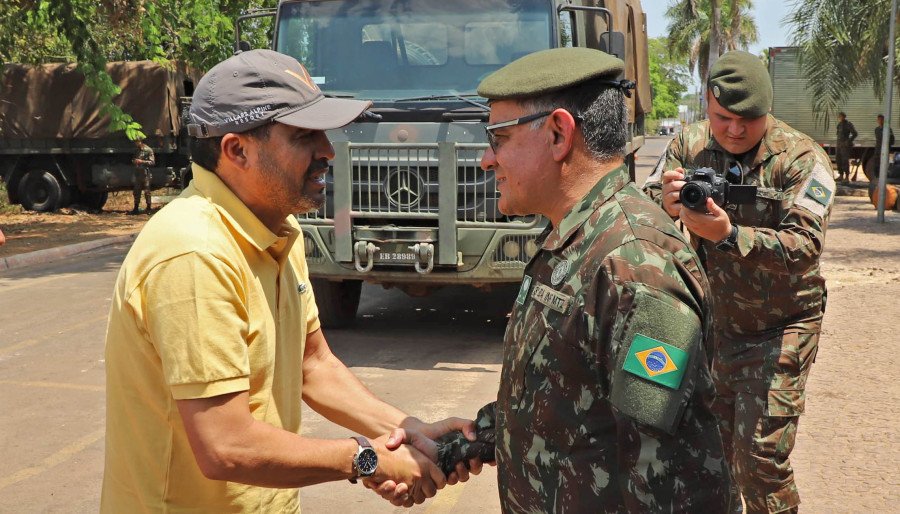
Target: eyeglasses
(489, 130)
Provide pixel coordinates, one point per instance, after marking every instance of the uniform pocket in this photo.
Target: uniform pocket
(532, 335)
(765, 211)
(787, 389)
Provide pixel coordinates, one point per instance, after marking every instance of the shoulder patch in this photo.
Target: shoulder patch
(656, 361)
(523, 290)
(817, 192)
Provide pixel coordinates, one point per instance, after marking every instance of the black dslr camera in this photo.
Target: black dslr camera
(703, 183)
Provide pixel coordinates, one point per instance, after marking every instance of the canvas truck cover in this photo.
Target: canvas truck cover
(630, 20)
(51, 101)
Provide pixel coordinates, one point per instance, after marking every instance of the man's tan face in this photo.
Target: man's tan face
(519, 163)
(292, 164)
(734, 133)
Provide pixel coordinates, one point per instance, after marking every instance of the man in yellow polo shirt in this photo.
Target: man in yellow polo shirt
(214, 338)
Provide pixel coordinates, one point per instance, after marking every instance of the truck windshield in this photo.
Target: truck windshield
(396, 49)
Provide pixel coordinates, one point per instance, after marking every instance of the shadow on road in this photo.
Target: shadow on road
(459, 328)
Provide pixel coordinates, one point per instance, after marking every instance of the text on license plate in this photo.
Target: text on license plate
(396, 256)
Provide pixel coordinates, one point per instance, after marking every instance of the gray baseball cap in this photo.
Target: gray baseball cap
(256, 87)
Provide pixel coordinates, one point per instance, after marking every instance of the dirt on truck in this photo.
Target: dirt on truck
(56, 147)
(407, 204)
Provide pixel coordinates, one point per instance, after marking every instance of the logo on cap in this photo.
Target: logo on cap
(305, 78)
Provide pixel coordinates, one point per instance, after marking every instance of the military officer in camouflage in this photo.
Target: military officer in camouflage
(762, 260)
(605, 391)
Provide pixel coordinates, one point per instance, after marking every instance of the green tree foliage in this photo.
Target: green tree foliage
(691, 25)
(669, 79)
(198, 33)
(843, 45)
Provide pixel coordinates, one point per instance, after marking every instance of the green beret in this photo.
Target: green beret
(549, 70)
(740, 83)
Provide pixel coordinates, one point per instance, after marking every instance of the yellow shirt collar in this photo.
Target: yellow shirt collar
(239, 216)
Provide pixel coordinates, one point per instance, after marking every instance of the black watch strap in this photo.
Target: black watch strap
(730, 240)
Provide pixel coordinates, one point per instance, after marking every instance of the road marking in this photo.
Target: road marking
(31, 342)
(446, 499)
(56, 385)
(53, 460)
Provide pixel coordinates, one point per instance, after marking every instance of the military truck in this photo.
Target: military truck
(793, 103)
(56, 148)
(407, 204)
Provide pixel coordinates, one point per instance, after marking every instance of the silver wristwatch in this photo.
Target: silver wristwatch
(365, 462)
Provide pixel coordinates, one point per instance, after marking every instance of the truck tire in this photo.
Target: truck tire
(40, 191)
(94, 200)
(337, 301)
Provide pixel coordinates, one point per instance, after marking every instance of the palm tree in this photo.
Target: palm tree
(843, 44)
(701, 30)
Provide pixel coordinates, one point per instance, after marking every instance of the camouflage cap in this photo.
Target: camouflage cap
(740, 83)
(550, 70)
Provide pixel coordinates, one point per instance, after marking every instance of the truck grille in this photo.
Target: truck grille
(403, 182)
(514, 252)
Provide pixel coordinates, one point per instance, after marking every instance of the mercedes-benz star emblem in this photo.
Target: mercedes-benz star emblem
(403, 188)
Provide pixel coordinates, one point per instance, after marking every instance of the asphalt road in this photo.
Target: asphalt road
(433, 357)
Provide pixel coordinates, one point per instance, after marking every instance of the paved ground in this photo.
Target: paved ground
(437, 357)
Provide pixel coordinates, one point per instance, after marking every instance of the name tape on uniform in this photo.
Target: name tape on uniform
(552, 298)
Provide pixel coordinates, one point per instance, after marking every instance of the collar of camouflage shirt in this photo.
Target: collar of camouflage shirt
(774, 142)
(603, 190)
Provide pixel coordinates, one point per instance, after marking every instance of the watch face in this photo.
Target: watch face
(367, 462)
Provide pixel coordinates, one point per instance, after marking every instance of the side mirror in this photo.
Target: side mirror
(613, 43)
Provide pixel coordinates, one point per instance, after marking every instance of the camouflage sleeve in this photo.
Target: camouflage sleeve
(794, 246)
(669, 160)
(652, 340)
(649, 304)
(454, 447)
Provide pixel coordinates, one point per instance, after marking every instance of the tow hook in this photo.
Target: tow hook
(364, 250)
(424, 254)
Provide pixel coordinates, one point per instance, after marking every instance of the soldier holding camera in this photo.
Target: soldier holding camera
(761, 252)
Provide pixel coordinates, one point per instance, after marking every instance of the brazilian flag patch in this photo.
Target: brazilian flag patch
(656, 361)
(818, 192)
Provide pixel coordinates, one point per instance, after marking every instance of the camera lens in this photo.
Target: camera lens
(693, 196)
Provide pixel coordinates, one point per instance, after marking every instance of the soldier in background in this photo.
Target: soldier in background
(872, 161)
(762, 260)
(605, 393)
(879, 131)
(846, 133)
(143, 158)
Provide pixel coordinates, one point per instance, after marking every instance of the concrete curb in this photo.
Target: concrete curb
(60, 252)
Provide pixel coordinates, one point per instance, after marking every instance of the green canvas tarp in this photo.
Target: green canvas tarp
(51, 101)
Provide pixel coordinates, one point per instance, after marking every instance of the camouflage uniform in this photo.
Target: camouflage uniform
(769, 299)
(575, 432)
(141, 179)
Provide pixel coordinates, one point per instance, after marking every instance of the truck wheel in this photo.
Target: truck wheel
(40, 191)
(337, 301)
(94, 200)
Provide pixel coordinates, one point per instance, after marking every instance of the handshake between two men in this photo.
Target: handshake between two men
(459, 448)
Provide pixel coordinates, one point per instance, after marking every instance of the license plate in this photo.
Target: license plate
(400, 254)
